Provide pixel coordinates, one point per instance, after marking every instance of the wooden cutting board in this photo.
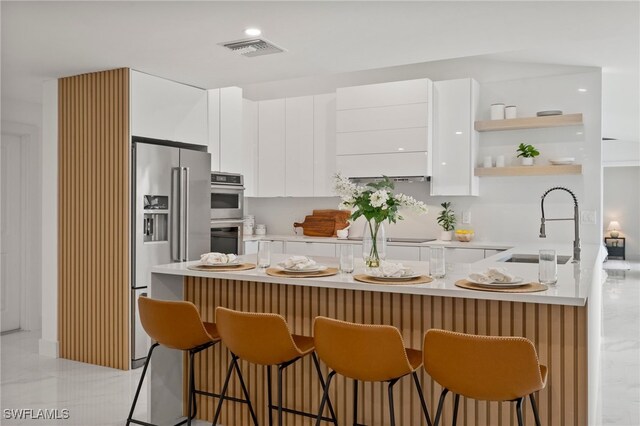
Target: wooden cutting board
(317, 226)
(340, 217)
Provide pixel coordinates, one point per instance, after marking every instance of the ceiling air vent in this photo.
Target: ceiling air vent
(253, 47)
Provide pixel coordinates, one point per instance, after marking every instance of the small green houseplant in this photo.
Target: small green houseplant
(447, 220)
(527, 153)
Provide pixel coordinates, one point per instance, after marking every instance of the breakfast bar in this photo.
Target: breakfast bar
(562, 322)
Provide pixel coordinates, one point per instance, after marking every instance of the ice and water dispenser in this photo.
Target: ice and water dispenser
(155, 226)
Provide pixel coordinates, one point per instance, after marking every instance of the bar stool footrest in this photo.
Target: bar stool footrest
(217, 395)
(303, 413)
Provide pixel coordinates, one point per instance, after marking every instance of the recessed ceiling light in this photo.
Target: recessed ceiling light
(582, 90)
(444, 164)
(400, 149)
(458, 133)
(252, 32)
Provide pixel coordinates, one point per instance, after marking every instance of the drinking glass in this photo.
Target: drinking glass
(264, 254)
(547, 267)
(346, 258)
(436, 262)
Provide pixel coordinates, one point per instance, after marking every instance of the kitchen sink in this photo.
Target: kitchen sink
(532, 258)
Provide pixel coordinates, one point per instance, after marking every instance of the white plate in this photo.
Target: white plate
(222, 264)
(562, 161)
(517, 282)
(402, 278)
(317, 268)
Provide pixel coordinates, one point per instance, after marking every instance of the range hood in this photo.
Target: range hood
(407, 179)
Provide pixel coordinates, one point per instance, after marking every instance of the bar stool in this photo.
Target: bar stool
(367, 353)
(488, 368)
(264, 339)
(175, 325)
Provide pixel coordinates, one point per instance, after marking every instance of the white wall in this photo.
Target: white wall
(622, 203)
(24, 119)
(508, 208)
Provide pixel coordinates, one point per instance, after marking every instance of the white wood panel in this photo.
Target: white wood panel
(213, 114)
(299, 146)
(164, 109)
(382, 141)
(250, 147)
(402, 252)
(271, 148)
(455, 141)
(231, 158)
(390, 117)
(383, 94)
(324, 144)
(399, 164)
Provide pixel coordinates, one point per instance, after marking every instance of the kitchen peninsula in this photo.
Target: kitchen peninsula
(563, 322)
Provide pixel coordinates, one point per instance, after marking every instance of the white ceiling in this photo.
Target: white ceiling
(179, 40)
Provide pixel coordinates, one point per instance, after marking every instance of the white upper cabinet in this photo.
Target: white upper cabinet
(231, 122)
(384, 129)
(213, 96)
(250, 147)
(324, 144)
(164, 109)
(299, 146)
(271, 148)
(455, 142)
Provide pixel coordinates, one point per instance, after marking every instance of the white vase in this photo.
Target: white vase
(527, 161)
(446, 235)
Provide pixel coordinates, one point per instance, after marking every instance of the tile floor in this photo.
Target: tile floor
(101, 396)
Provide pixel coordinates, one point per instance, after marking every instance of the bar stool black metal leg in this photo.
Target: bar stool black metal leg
(355, 403)
(245, 392)
(392, 413)
(280, 395)
(224, 390)
(321, 379)
(144, 372)
(325, 396)
(536, 415)
(190, 414)
(425, 410)
(456, 402)
(269, 395)
(519, 411)
(440, 405)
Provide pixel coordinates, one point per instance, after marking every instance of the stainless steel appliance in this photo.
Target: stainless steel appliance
(227, 195)
(226, 236)
(170, 203)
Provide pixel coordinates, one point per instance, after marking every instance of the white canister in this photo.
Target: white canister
(261, 229)
(500, 161)
(249, 220)
(247, 229)
(488, 161)
(497, 111)
(510, 111)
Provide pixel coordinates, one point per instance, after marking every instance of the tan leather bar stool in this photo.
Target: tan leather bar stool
(488, 368)
(265, 339)
(366, 353)
(175, 325)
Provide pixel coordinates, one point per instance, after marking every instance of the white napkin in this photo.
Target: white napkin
(391, 270)
(213, 258)
(492, 275)
(299, 263)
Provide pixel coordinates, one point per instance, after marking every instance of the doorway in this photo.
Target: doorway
(11, 241)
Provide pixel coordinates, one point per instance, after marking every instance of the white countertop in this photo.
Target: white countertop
(489, 245)
(574, 279)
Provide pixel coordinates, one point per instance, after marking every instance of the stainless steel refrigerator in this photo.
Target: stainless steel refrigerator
(171, 191)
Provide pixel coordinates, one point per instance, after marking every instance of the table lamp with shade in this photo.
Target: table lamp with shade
(613, 228)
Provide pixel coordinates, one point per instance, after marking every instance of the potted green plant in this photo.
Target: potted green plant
(527, 153)
(447, 220)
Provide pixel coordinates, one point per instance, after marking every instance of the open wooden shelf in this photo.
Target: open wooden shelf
(572, 169)
(529, 122)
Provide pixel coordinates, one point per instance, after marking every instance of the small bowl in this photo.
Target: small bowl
(464, 237)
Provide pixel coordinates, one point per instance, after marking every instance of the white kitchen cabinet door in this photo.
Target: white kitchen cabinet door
(250, 147)
(213, 114)
(304, 248)
(455, 142)
(382, 141)
(383, 94)
(231, 120)
(489, 253)
(277, 247)
(164, 109)
(425, 253)
(460, 255)
(250, 247)
(324, 144)
(271, 148)
(383, 118)
(371, 165)
(299, 146)
(402, 253)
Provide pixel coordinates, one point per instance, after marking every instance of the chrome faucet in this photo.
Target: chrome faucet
(576, 221)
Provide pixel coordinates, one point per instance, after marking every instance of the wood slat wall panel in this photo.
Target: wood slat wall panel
(559, 334)
(93, 161)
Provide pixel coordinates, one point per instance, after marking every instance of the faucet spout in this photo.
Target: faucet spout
(542, 229)
(576, 220)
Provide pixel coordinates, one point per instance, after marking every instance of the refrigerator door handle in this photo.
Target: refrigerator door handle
(176, 213)
(185, 229)
(183, 214)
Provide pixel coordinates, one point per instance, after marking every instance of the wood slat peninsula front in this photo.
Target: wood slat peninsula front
(558, 331)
